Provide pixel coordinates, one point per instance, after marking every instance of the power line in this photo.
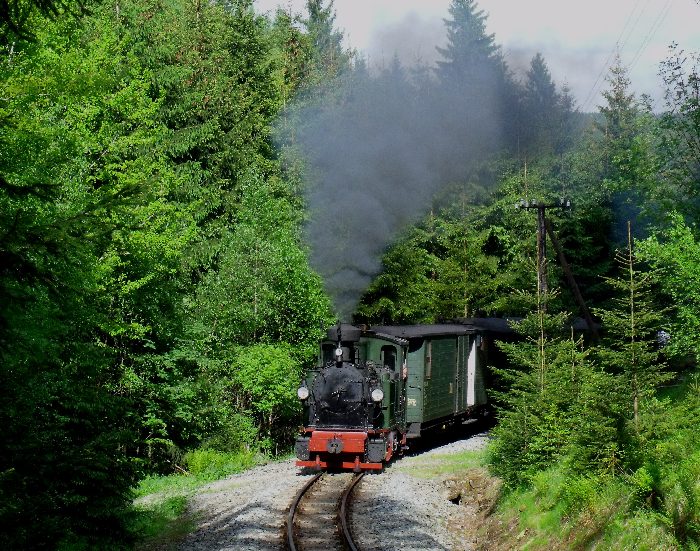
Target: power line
(640, 50)
(639, 16)
(592, 91)
(652, 31)
(616, 49)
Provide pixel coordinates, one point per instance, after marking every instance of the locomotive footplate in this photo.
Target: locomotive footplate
(323, 441)
(342, 449)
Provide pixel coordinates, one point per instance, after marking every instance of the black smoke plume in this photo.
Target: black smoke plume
(378, 148)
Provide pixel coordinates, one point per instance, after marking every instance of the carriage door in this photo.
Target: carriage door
(461, 374)
(390, 360)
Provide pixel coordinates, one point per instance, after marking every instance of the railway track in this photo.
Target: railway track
(318, 516)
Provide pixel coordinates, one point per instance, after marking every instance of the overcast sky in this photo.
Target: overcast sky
(578, 39)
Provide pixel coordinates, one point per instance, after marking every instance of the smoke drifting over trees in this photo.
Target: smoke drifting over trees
(378, 146)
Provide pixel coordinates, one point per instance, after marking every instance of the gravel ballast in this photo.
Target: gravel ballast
(393, 510)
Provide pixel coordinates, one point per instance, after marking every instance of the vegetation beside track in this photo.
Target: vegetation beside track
(159, 304)
(656, 506)
(159, 514)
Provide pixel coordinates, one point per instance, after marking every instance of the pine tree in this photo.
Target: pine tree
(474, 83)
(565, 123)
(625, 142)
(619, 113)
(329, 58)
(631, 323)
(538, 408)
(471, 55)
(540, 108)
(296, 52)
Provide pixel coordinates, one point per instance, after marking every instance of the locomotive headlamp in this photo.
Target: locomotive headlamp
(303, 392)
(377, 395)
(339, 356)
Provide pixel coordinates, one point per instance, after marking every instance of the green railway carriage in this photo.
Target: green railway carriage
(446, 368)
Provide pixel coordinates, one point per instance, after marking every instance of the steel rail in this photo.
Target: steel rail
(293, 511)
(343, 510)
(349, 543)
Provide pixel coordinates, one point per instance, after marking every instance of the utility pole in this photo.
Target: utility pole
(542, 240)
(544, 227)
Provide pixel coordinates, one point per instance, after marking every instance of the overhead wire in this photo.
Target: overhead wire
(636, 21)
(652, 31)
(616, 49)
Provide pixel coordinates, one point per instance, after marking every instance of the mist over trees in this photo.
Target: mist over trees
(190, 192)
(380, 143)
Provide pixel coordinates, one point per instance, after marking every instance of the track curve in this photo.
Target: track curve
(317, 518)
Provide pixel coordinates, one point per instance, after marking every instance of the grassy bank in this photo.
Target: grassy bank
(159, 517)
(654, 505)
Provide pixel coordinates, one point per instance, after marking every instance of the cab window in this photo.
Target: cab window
(389, 357)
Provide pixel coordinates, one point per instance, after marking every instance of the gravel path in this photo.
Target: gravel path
(394, 510)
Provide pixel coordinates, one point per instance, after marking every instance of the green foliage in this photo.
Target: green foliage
(295, 51)
(159, 516)
(207, 464)
(22, 19)
(237, 432)
(470, 50)
(679, 133)
(473, 65)
(127, 144)
(161, 522)
(263, 289)
(78, 121)
(155, 296)
(328, 57)
(561, 511)
(539, 406)
(629, 349)
(655, 506)
(452, 264)
(405, 291)
(268, 377)
(546, 115)
(675, 256)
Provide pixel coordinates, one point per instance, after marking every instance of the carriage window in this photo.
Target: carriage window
(389, 357)
(429, 359)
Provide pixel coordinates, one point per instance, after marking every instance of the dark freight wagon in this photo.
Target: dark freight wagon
(375, 388)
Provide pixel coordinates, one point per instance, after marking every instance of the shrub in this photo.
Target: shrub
(212, 464)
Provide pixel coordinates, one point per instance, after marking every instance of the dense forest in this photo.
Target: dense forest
(191, 192)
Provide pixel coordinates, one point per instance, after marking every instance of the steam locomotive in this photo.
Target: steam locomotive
(376, 388)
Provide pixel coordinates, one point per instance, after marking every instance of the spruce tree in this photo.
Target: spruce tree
(475, 83)
(629, 349)
(540, 107)
(619, 115)
(329, 58)
(538, 408)
(471, 55)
